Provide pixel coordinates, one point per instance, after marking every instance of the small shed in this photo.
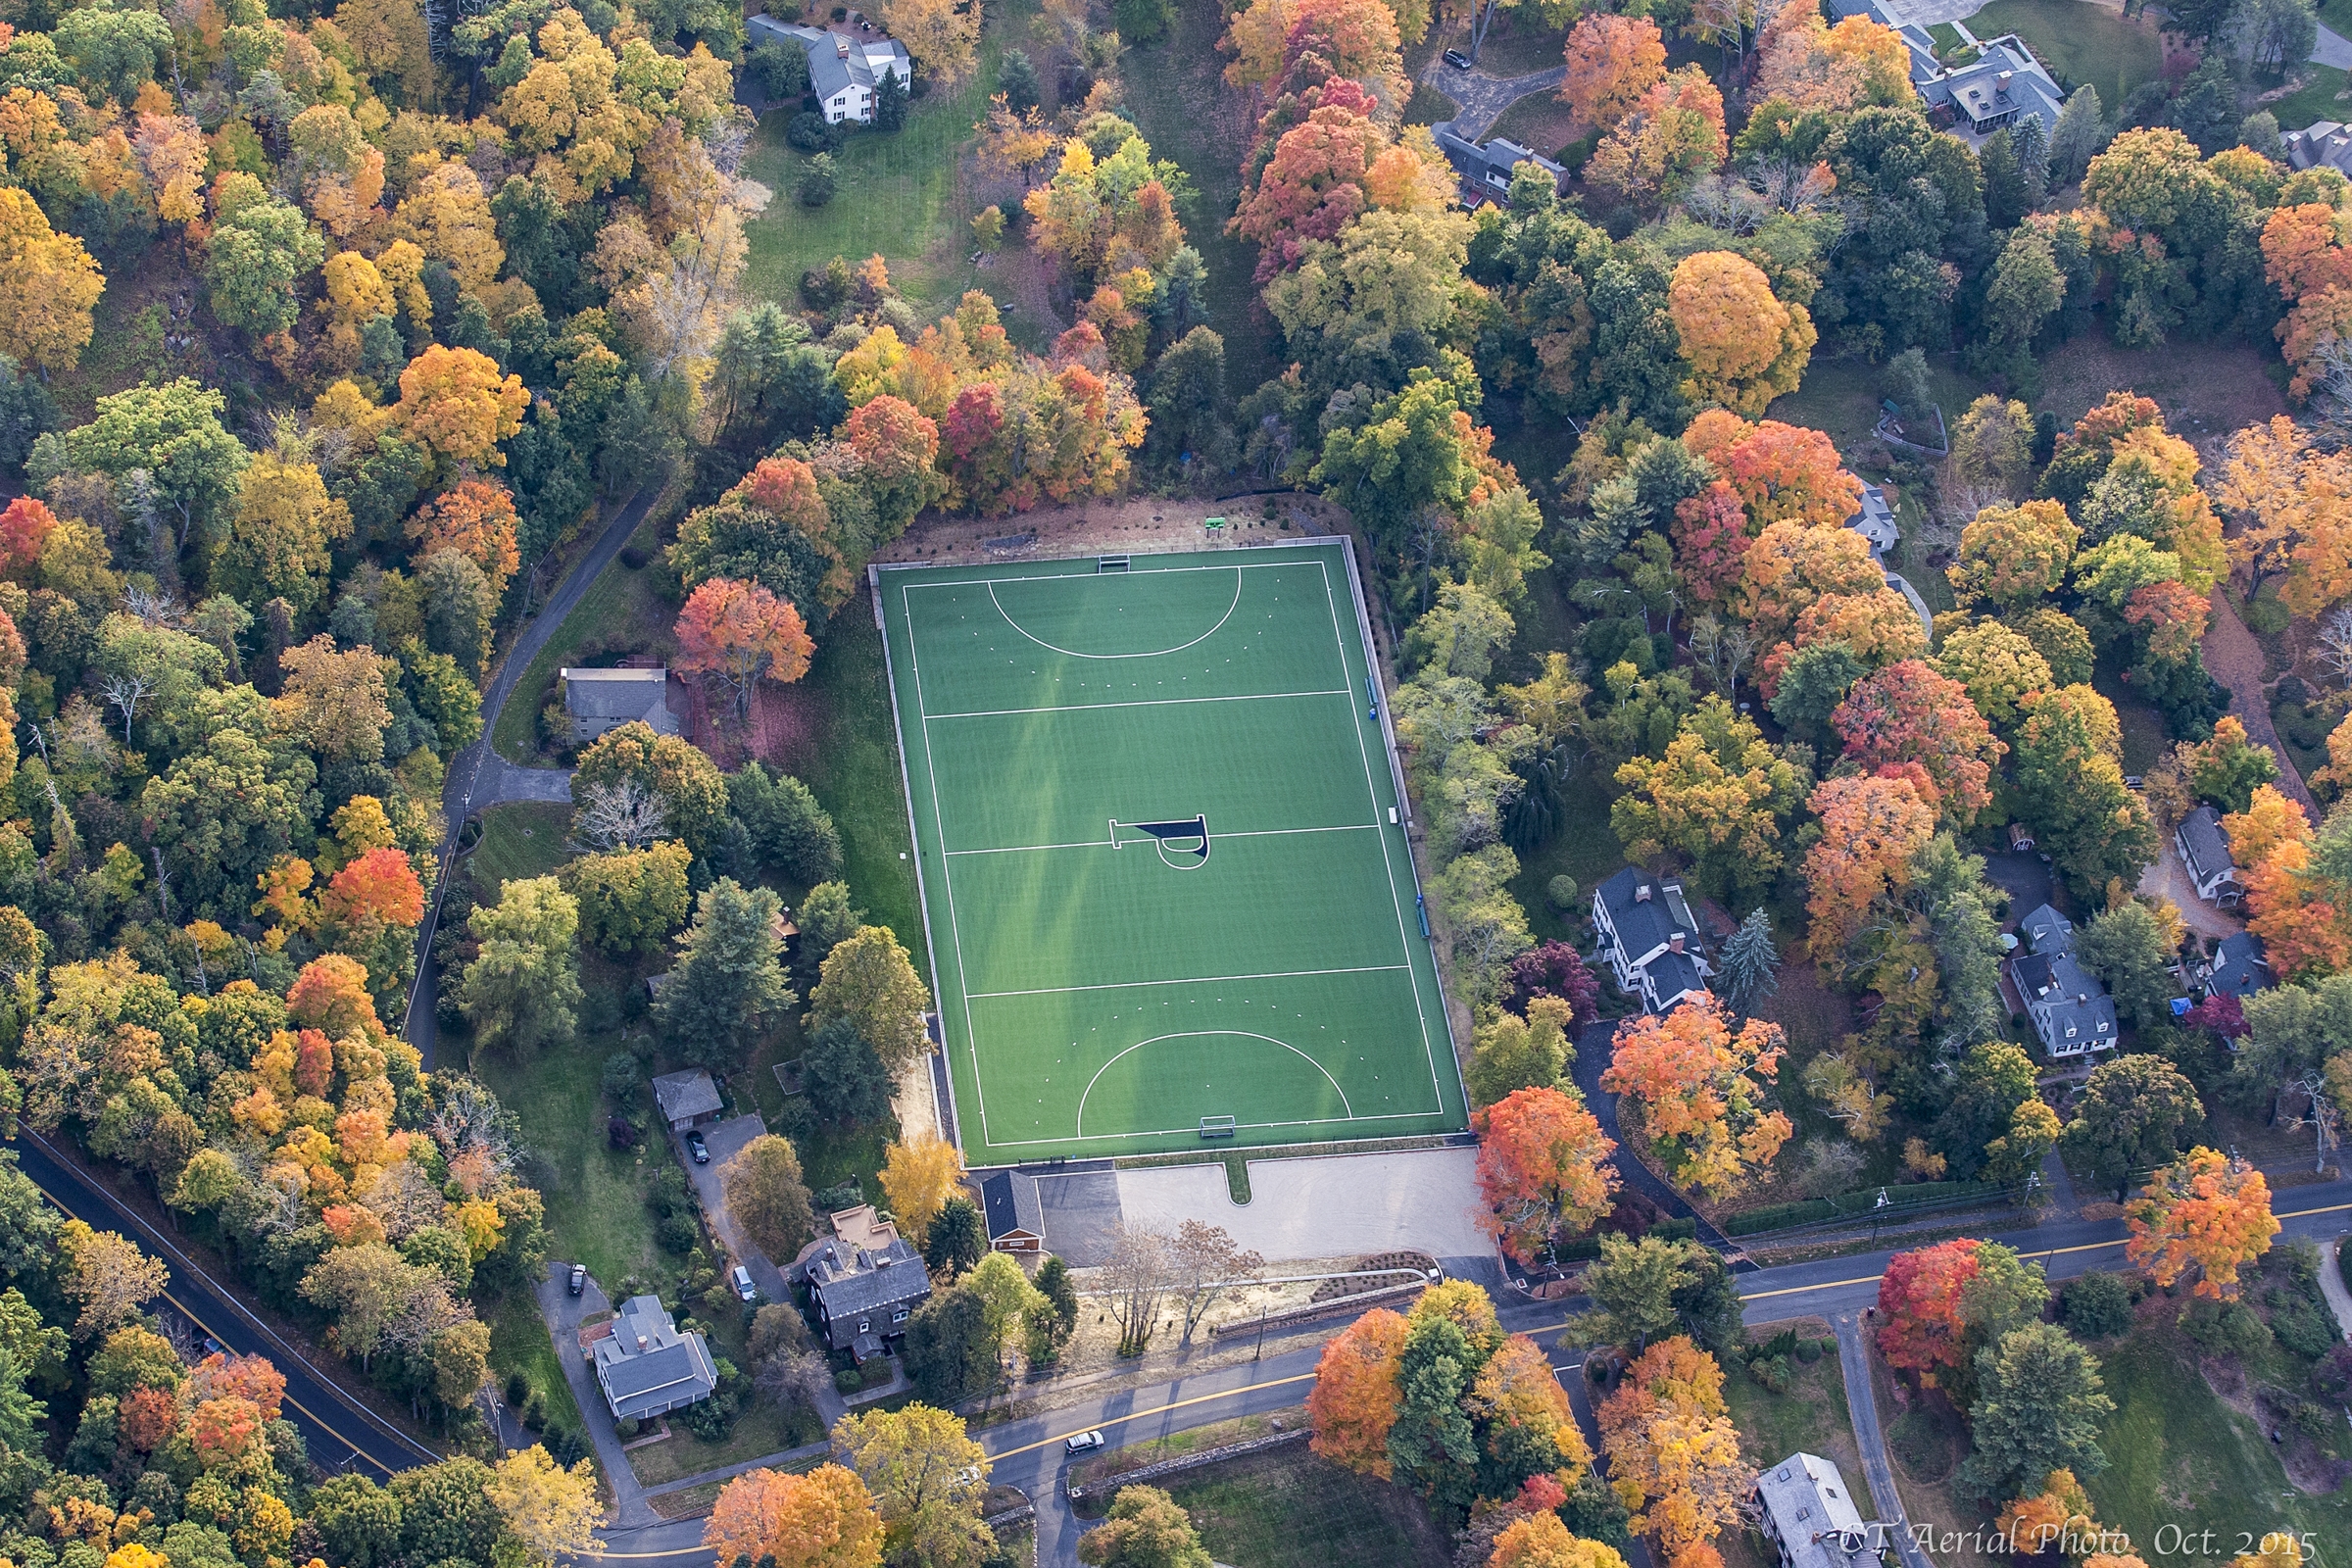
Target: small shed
(601, 700)
(687, 1099)
(2021, 838)
(1017, 1218)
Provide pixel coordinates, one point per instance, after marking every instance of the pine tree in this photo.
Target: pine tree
(1749, 960)
(2081, 134)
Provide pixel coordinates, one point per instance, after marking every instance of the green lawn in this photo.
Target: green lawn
(763, 1428)
(596, 1210)
(2079, 42)
(520, 1342)
(1289, 1510)
(2179, 1459)
(1809, 1416)
(1160, 857)
(1841, 397)
(622, 613)
(897, 197)
(519, 838)
(1180, 102)
(2320, 97)
(2145, 737)
(1585, 848)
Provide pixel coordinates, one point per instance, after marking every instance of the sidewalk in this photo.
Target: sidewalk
(2332, 1284)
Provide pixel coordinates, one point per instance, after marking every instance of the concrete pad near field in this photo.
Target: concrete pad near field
(1324, 1206)
(1082, 1212)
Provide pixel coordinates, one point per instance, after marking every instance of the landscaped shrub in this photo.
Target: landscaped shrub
(2227, 1329)
(820, 178)
(2097, 1306)
(808, 132)
(848, 1382)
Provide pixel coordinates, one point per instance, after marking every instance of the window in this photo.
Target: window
(900, 1315)
(865, 1325)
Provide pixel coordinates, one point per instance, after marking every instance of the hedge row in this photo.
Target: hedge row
(1814, 1210)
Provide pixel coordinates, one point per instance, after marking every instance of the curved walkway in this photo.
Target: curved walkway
(1480, 99)
(479, 766)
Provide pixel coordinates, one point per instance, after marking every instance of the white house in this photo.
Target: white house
(2205, 851)
(1875, 522)
(1649, 939)
(842, 72)
(1808, 1514)
(2072, 1012)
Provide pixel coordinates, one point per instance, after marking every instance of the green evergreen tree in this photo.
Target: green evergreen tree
(728, 983)
(1750, 964)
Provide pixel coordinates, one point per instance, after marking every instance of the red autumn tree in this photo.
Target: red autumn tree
(2170, 615)
(1870, 828)
(1700, 1088)
(1783, 472)
(24, 528)
(1542, 1167)
(743, 634)
(147, 1418)
(1310, 188)
(2203, 1211)
(378, 890)
(1710, 542)
(1354, 1402)
(314, 1063)
(331, 993)
(1907, 712)
(1612, 61)
(1919, 1297)
(475, 518)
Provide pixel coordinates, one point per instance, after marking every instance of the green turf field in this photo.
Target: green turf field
(1109, 973)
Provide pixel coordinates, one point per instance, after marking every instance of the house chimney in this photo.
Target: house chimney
(1641, 894)
(1674, 942)
(641, 1342)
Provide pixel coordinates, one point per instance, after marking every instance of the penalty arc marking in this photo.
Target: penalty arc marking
(1204, 1034)
(1155, 653)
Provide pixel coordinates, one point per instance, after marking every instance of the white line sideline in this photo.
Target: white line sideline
(1201, 980)
(1104, 844)
(1151, 702)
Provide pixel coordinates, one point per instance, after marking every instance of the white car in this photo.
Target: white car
(744, 1288)
(1083, 1442)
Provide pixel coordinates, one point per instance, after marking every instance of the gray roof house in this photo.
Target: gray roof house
(1648, 936)
(865, 1282)
(1809, 1516)
(645, 1365)
(1487, 169)
(2001, 85)
(2240, 967)
(1016, 1220)
(2324, 141)
(687, 1099)
(2205, 851)
(842, 72)
(2070, 1010)
(601, 700)
(1875, 522)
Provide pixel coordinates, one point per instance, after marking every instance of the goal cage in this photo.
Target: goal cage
(1216, 1126)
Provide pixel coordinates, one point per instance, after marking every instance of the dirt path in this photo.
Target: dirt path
(2235, 659)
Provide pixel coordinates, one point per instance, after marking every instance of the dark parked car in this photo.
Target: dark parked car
(579, 1277)
(697, 1147)
(1457, 60)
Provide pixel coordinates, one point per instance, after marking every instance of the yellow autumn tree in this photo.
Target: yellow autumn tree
(456, 403)
(1743, 347)
(944, 35)
(48, 284)
(449, 217)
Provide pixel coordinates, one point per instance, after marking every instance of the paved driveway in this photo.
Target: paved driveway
(562, 1313)
(1324, 1207)
(726, 1140)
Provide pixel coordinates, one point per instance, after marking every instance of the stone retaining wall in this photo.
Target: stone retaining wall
(1153, 1474)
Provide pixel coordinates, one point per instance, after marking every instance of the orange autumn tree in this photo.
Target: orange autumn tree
(743, 634)
(1354, 1402)
(1783, 472)
(1870, 828)
(1744, 346)
(476, 519)
(1699, 1085)
(24, 528)
(1908, 713)
(1790, 566)
(2014, 556)
(1612, 61)
(1541, 1541)
(1674, 1454)
(458, 404)
(375, 891)
(2299, 503)
(2058, 1517)
(2302, 919)
(2203, 1211)
(331, 993)
(2306, 260)
(1542, 1169)
(823, 1519)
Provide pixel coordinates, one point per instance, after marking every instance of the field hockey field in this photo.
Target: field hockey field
(1152, 809)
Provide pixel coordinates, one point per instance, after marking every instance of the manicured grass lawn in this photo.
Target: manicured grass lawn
(2079, 42)
(1841, 397)
(1289, 1510)
(1176, 92)
(596, 1210)
(1946, 35)
(622, 610)
(897, 198)
(519, 838)
(1585, 848)
(1539, 120)
(763, 1428)
(520, 1342)
(2320, 96)
(2180, 1459)
(1810, 1417)
(848, 752)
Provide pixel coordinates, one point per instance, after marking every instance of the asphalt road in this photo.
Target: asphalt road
(342, 1434)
